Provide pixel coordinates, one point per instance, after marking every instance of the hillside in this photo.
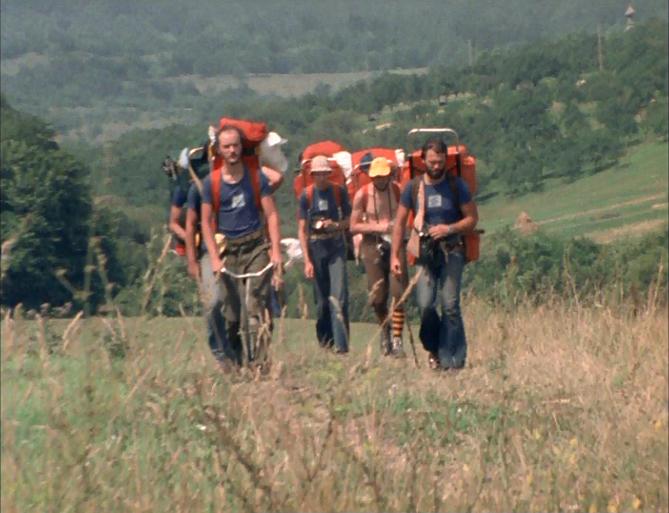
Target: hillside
(625, 200)
(144, 67)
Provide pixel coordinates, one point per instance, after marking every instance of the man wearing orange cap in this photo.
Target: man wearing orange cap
(323, 216)
(374, 208)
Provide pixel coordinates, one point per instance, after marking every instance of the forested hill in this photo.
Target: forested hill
(94, 68)
(529, 114)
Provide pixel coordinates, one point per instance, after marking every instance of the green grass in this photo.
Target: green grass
(621, 196)
(567, 413)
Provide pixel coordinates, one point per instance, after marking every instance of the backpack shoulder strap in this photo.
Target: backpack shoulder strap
(336, 191)
(453, 184)
(365, 196)
(253, 165)
(309, 193)
(215, 194)
(396, 190)
(415, 188)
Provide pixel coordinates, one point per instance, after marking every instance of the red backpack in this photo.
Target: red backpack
(458, 163)
(326, 148)
(253, 133)
(358, 177)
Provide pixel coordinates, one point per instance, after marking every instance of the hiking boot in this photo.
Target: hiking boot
(433, 361)
(398, 349)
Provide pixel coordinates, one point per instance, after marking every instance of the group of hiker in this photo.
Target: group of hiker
(385, 213)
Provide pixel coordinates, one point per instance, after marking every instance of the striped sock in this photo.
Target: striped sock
(398, 322)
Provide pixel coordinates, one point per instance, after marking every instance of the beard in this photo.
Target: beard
(381, 187)
(436, 174)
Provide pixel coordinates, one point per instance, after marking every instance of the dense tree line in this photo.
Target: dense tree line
(125, 54)
(59, 243)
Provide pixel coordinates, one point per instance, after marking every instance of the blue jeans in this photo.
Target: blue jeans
(331, 294)
(212, 299)
(443, 333)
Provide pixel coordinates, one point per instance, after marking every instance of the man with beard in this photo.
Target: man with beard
(374, 208)
(443, 210)
(243, 198)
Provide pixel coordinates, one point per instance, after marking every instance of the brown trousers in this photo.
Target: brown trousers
(380, 281)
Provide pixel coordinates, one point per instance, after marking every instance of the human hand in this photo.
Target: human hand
(395, 265)
(216, 265)
(308, 269)
(194, 270)
(439, 231)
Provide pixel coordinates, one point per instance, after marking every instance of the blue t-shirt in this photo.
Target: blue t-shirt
(179, 196)
(324, 206)
(194, 203)
(238, 214)
(440, 205)
(194, 199)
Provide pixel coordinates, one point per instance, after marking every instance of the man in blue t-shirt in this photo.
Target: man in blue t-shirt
(240, 219)
(323, 216)
(443, 210)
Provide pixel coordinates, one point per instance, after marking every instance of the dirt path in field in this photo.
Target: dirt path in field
(607, 236)
(599, 210)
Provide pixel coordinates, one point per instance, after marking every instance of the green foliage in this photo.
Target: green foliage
(540, 266)
(45, 209)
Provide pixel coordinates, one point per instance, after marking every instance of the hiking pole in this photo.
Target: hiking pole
(401, 301)
(250, 350)
(413, 345)
(192, 172)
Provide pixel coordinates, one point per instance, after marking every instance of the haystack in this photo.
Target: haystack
(524, 224)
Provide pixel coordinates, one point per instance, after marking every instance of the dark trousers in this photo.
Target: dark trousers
(330, 293)
(438, 288)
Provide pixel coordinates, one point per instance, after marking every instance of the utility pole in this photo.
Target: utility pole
(600, 56)
(470, 52)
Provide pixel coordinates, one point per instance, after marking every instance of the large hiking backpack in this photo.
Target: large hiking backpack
(459, 163)
(359, 178)
(326, 148)
(180, 177)
(253, 134)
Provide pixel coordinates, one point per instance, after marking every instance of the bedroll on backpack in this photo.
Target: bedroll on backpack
(458, 163)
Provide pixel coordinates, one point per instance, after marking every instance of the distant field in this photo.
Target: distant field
(560, 408)
(626, 200)
(287, 85)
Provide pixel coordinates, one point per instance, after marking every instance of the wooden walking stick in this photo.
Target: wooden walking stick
(413, 346)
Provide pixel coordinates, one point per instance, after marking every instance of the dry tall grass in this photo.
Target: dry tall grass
(561, 407)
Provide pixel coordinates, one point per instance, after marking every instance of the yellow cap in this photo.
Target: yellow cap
(379, 167)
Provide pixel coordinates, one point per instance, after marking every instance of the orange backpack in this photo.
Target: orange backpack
(253, 133)
(326, 148)
(358, 177)
(458, 164)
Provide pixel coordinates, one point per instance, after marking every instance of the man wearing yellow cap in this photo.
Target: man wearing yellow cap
(374, 208)
(323, 216)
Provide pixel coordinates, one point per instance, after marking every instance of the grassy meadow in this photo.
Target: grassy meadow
(561, 407)
(627, 199)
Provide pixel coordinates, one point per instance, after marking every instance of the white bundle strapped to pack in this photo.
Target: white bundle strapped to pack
(271, 153)
(344, 161)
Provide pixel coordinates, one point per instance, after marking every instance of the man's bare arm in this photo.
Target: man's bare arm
(273, 227)
(174, 226)
(274, 177)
